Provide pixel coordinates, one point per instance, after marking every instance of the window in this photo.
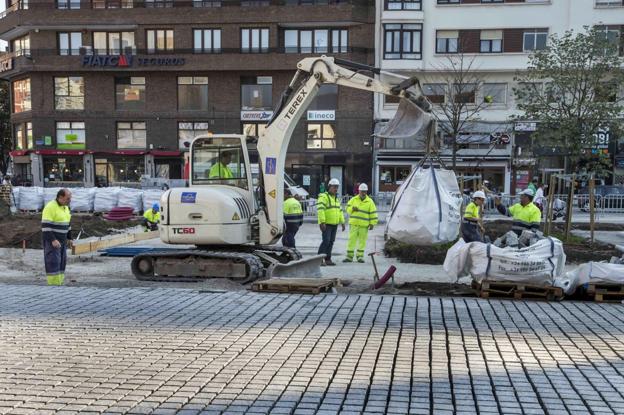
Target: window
(495, 93)
(254, 40)
(21, 95)
(206, 3)
(113, 43)
(193, 93)
(253, 129)
(130, 93)
(447, 41)
(160, 40)
(254, 3)
(316, 40)
(23, 136)
(207, 40)
(131, 135)
(112, 4)
(326, 99)
(70, 135)
(464, 93)
(448, 1)
(402, 41)
(21, 46)
(606, 92)
(391, 100)
(115, 170)
(158, 3)
(68, 4)
(69, 93)
(435, 93)
(69, 43)
(492, 1)
(403, 4)
(612, 35)
(491, 41)
(535, 39)
(218, 161)
(187, 131)
(321, 137)
(256, 93)
(527, 90)
(63, 169)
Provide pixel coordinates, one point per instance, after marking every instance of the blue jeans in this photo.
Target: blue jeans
(329, 236)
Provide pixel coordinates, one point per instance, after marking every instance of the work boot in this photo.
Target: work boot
(329, 262)
(347, 260)
(361, 260)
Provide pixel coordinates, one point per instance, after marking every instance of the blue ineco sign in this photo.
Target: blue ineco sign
(188, 197)
(126, 61)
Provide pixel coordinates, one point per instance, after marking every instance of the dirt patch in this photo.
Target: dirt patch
(18, 228)
(433, 255)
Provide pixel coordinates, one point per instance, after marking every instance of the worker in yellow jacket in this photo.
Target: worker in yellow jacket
(56, 233)
(526, 216)
(151, 218)
(330, 215)
(362, 218)
(293, 216)
(220, 169)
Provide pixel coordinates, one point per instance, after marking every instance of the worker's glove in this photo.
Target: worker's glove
(343, 227)
(370, 227)
(322, 226)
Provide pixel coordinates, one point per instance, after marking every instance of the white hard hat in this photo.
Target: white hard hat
(363, 187)
(528, 192)
(334, 182)
(478, 193)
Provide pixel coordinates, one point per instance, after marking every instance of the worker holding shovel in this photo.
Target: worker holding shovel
(472, 225)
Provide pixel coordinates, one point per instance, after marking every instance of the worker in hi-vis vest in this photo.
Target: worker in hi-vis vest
(56, 234)
(293, 216)
(151, 218)
(526, 216)
(472, 225)
(220, 170)
(330, 215)
(362, 218)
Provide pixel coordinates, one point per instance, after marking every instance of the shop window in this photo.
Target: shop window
(130, 93)
(70, 135)
(65, 169)
(402, 41)
(253, 129)
(193, 93)
(113, 43)
(112, 4)
(316, 40)
(255, 40)
(326, 99)
(69, 43)
(151, 4)
(69, 93)
(495, 94)
(257, 93)
(391, 177)
(23, 136)
(21, 46)
(111, 171)
(207, 40)
(321, 137)
(21, 95)
(160, 40)
(168, 168)
(68, 4)
(131, 135)
(188, 131)
(206, 3)
(435, 93)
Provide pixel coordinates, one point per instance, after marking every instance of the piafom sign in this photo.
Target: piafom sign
(328, 115)
(256, 115)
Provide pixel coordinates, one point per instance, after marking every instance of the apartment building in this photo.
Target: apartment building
(105, 92)
(417, 37)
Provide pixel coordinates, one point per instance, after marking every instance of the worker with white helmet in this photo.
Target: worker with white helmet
(472, 225)
(330, 215)
(362, 217)
(526, 216)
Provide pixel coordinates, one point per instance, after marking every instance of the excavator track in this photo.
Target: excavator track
(196, 264)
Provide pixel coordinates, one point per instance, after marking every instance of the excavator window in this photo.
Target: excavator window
(219, 161)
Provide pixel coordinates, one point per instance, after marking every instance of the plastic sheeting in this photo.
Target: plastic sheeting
(591, 272)
(129, 197)
(426, 208)
(150, 197)
(105, 199)
(82, 199)
(31, 198)
(539, 264)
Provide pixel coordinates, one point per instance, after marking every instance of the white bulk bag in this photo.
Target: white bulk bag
(129, 197)
(82, 199)
(150, 197)
(539, 264)
(592, 273)
(49, 194)
(426, 208)
(15, 197)
(456, 259)
(31, 198)
(105, 199)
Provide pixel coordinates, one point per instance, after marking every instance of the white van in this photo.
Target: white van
(290, 184)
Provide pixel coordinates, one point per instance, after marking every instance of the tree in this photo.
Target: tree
(571, 90)
(6, 142)
(456, 98)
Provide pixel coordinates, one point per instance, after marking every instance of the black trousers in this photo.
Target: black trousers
(471, 232)
(288, 239)
(329, 236)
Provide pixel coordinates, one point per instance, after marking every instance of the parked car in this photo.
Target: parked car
(605, 197)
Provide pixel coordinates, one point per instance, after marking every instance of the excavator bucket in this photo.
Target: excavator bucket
(411, 122)
(302, 268)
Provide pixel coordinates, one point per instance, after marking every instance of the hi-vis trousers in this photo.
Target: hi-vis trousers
(357, 239)
(55, 260)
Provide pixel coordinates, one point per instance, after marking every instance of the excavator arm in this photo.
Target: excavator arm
(273, 142)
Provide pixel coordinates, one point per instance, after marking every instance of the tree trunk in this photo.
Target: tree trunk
(454, 156)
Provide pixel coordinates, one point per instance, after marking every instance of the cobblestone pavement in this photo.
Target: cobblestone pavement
(133, 350)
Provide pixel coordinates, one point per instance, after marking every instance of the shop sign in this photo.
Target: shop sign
(602, 138)
(502, 138)
(6, 64)
(306, 180)
(525, 126)
(47, 140)
(524, 162)
(256, 115)
(327, 115)
(71, 142)
(127, 61)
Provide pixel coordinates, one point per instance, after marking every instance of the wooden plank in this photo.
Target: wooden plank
(91, 246)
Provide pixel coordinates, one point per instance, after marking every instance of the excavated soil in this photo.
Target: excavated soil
(18, 228)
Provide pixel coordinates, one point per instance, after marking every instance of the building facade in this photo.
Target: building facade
(420, 37)
(106, 92)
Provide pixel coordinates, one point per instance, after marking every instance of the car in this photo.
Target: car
(605, 197)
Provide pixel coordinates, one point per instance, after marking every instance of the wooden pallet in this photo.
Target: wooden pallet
(606, 292)
(502, 289)
(296, 285)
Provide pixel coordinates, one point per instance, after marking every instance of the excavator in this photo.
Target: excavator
(232, 222)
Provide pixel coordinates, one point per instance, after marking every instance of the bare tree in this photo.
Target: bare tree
(455, 94)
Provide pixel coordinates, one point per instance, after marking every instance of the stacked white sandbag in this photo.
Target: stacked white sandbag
(151, 196)
(105, 199)
(31, 198)
(129, 197)
(82, 199)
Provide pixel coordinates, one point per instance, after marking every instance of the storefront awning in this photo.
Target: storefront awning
(51, 152)
(123, 152)
(165, 153)
(16, 153)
